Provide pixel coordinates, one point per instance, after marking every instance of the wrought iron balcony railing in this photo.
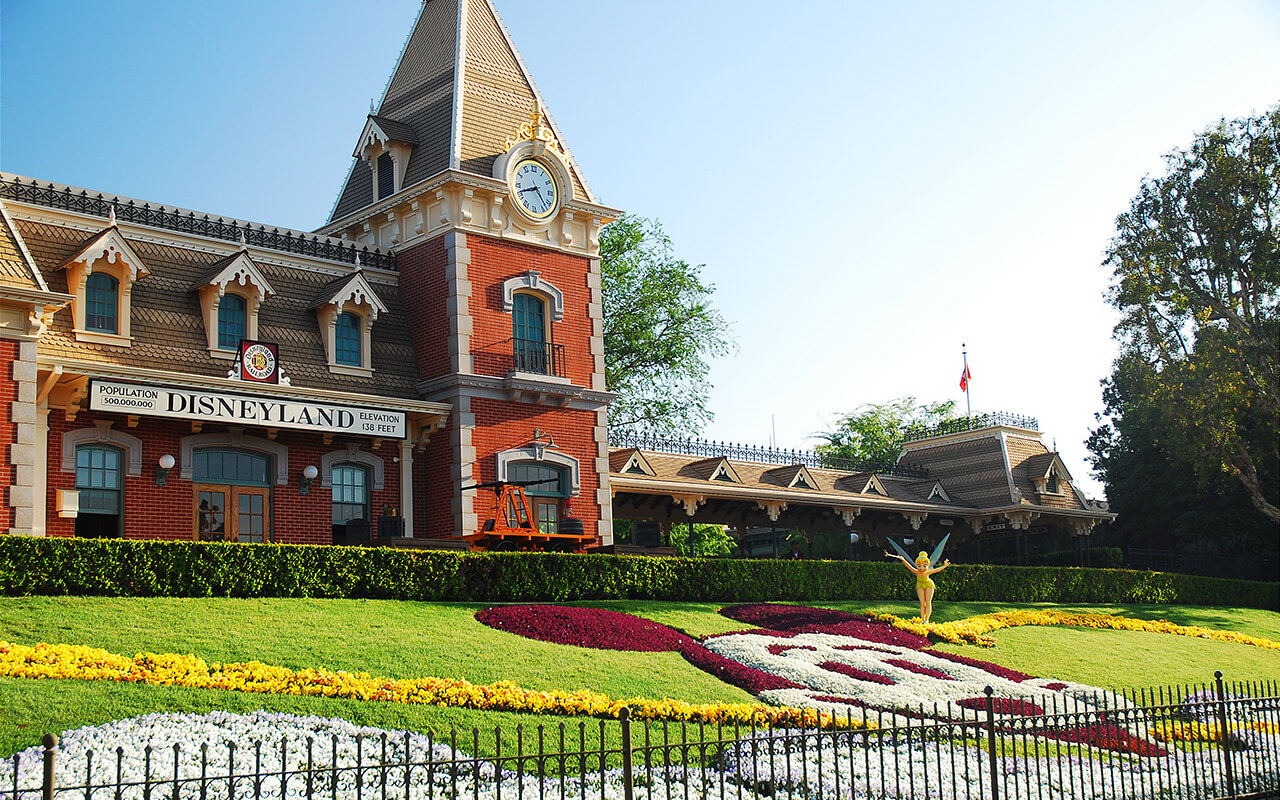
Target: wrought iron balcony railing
(540, 358)
(52, 195)
(972, 423)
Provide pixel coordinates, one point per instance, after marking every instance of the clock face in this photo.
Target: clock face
(534, 189)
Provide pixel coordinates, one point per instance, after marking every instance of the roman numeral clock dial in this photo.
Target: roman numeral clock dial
(535, 189)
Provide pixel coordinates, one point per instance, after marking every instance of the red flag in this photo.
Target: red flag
(965, 377)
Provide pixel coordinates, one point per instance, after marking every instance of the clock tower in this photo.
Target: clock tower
(461, 172)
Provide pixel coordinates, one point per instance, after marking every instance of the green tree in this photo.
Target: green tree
(660, 330)
(1159, 500)
(872, 434)
(1195, 274)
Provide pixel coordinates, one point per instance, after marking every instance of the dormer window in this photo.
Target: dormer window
(232, 321)
(231, 293)
(346, 310)
(346, 339)
(101, 298)
(385, 145)
(101, 276)
(1051, 485)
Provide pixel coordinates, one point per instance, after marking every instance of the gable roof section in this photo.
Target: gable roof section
(630, 461)
(111, 245)
(712, 469)
(795, 476)
(460, 88)
(17, 270)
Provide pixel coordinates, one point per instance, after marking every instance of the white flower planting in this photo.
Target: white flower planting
(780, 764)
(827, 666)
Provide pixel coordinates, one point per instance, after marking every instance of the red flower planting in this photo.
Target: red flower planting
(785, 619)
(779, 649)
(1003, 705)
(612, 630)
(585, 627)
(845, 669)
(919, 670)
(994, 669)
(1109, 736)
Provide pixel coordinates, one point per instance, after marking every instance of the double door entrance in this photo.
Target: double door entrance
(232, 496)
(232, 513)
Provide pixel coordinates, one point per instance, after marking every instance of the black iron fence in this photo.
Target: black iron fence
(972, 423)
(54, 195)
(541, 358)
(1218, 741)
(692, 446)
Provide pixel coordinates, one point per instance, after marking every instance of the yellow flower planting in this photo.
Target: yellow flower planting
(1195, 731)
(77, 662)
(974, 630)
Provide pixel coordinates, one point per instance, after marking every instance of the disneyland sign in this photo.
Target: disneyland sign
(238, 409)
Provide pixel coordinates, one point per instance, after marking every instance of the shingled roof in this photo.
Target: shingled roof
(459, 89)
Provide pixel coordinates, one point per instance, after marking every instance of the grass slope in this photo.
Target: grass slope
(407, 639)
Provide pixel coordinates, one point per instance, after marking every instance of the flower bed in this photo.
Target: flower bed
(171, 669)
(974, 630)
(596, 628)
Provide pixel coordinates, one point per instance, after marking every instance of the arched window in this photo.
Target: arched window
(547, 498)
(346, 339)
(232, 321)
(232, 495)
(100, 480)
(529, 332)
(102, 303)
(350, 484)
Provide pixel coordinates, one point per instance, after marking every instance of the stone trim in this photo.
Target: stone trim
(542, 455)
(532, 281)
(352, 454)
(101, 432)
(234, 438)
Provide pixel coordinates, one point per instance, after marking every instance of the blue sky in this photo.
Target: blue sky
(868, 185)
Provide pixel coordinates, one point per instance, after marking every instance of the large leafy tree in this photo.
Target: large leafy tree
(660, 330)
(872, 435)
(1160, 502)
(1195, 275)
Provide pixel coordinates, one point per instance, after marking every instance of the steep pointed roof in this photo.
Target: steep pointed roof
(461, 88)
(17, 270)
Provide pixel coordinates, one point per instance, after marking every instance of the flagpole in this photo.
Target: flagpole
(968, 409)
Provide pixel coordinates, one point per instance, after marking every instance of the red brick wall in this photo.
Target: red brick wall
(493, 262)
(425, 292)
(167, 512)
(503, 426)
(433, 487)
(8, 431)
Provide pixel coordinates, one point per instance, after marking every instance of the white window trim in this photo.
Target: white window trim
(101, 433)
(352, 455)
(235, 439)
(241, 277)
(542, 455)
(355, 297)
(532, 281)
(108, 253)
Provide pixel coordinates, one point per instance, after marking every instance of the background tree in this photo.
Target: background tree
(873, 434)
(1160, 502)
(660, 330)
(1195, 275)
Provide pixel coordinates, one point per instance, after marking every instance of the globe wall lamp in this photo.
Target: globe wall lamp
(309, 474)
(163, 466)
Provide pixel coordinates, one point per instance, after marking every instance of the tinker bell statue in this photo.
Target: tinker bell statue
(922, 569)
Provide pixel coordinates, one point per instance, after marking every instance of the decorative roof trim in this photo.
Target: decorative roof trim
(37, 277)
(355, 289)
(238, 268)
(110, 245)
(459, 76)
(938, 491)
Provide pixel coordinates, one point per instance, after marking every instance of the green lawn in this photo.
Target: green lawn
(406, 639)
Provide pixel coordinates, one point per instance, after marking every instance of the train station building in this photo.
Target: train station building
(172, 373)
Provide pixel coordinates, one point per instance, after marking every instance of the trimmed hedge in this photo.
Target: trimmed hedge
(124, 567)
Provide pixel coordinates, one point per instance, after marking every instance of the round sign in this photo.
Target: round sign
(259, 362)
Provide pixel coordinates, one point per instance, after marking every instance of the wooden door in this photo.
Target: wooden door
(232, 513)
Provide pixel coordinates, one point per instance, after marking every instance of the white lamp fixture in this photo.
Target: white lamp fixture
(309, 474)
(162, 469)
